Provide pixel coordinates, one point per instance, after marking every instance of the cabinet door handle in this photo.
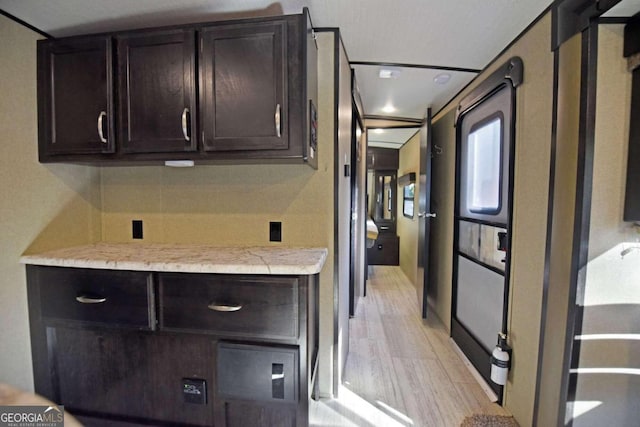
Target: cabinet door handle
(427, 215)
(278, 119)
(85, 299)
(225, 307)
(185, 131)
(101, 117)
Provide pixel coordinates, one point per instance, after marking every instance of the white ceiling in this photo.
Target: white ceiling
(409, 94)
(461, 34)
(390, 137)
(624, 9)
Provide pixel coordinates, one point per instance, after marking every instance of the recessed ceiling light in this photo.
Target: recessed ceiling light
(389, 108)
(442, 78)
(378, 131)
(388, 73)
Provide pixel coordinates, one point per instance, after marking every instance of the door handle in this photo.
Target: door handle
(278, 120)
(427, 215)
(185, 131)
(86, 299)
(101, 117)
(225, 308)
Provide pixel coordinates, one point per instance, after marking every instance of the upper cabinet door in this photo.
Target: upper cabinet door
(157, 91)
(244, 101)
(75, 108)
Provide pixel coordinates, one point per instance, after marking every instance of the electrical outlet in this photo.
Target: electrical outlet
(136, 229)
(275, 232)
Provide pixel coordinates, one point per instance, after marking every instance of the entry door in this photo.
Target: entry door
(425, 215)
(482, 226)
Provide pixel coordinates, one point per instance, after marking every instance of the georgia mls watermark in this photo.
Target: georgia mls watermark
(32, 416)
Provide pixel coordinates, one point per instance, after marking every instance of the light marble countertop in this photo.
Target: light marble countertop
(185, 258)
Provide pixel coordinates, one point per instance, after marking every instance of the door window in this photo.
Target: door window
(484, 166)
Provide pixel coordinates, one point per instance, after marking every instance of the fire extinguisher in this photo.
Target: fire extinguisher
(500, 360)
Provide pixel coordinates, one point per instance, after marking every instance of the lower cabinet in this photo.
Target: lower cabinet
(268, 377)
(109, 372)
(385, 251)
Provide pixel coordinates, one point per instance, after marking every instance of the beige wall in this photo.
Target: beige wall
(533, 139)
(407, 228)
(41, 207)
(613, 104)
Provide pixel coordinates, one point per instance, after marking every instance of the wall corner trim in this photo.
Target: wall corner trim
(571, 17)
(25, 24)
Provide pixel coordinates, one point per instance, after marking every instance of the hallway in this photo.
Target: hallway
(401, 370)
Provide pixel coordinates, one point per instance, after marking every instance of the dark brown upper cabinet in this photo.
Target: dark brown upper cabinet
(75, 109)
(218, 92)
(156, 84)
(244, 87)
(383, 158)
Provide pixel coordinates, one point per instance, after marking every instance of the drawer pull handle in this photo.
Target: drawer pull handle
(84, 299)
(185, 130)
(278, 120)
(101, 117)
(224, 307)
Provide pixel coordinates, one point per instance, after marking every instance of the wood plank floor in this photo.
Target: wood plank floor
(401, 370)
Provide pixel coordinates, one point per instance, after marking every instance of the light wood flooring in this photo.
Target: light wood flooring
(401, 370)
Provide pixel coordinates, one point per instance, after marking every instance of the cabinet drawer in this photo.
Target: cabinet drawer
(253, 372)
(117, 298)
(265, 307)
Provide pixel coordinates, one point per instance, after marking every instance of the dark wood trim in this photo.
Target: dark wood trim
(428, 128)
(516, 80)
(421, 66)
(335, 30)
(25, 24)
(394, 119)
(511, 72)
(416, 126)
(631, 197)
(547, 251)
(326, 29)
(632, 36)
(353, 182)
(407, 179)
(336, 213)
(613, 20)
(580, 249)
(307, 15)
(571, 17)
(357, 99)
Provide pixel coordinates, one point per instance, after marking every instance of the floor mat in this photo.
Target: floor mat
(480, 420)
